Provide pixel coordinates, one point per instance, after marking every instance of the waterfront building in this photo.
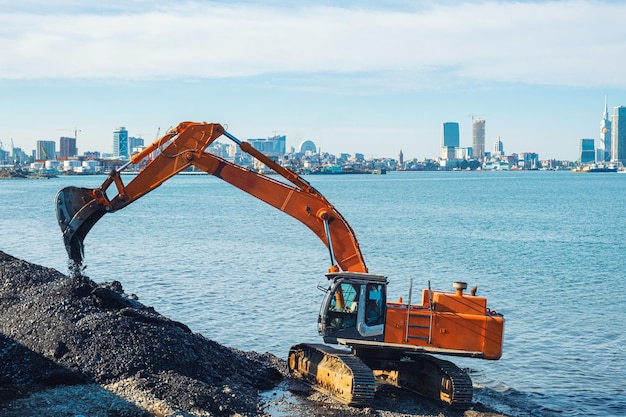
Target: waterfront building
(450, 140)
(462, 153)
(307, 147)
(448, 153)
(91, 155)
(587, 152)
(67, 148)
(478, 139)
(46, 149)
(529, 160)
(223, 150)
(618, 135)
(450, 137)
(18, 156)
(604, 146)
(271, 146)
(498, 147)
(120, 143)
(135, 145)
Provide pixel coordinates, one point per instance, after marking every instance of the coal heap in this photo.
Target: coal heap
(60, 330)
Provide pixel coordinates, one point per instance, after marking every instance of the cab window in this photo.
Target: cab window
(342, 311)
(374, 305)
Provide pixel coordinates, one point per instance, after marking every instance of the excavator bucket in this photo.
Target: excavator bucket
(77, 211)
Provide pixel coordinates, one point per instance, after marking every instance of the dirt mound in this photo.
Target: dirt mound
(60, 330)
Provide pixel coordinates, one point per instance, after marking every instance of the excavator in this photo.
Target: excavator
(377, 340)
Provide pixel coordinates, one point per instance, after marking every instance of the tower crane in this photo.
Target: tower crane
(75, 130)
(475, 116)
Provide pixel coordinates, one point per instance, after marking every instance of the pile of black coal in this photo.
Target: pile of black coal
(56, 329)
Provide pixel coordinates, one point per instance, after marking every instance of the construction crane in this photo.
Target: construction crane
(43, 151)
(475, 116)
(75, 130)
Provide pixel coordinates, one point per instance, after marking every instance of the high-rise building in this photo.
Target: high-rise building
(587, 152)
(478, 139)
(135, 144)
(498, 147)
(120, 143)
(67, 148)
(46, 149)
(604, 146)
(618, 135)
(450, 137)
(450, 140)
(272, 146)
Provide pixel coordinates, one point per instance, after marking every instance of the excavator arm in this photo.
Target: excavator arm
(79, 209)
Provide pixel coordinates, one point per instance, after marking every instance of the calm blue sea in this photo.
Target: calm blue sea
(546, 248)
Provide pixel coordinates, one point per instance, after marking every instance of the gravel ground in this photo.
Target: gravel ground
(72, 347)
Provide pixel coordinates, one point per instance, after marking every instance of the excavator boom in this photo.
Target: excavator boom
(79, 209)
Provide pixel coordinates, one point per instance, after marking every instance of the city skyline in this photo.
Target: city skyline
(371, 77)
(46, 147)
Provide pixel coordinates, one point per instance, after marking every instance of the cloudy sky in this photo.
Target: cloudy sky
(353, 76)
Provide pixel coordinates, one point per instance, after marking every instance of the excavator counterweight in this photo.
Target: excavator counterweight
(390, 342)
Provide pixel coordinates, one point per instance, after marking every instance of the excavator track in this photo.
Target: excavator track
(338, 373)
(431, 377)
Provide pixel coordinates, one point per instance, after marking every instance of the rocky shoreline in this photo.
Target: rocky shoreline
(69, 346)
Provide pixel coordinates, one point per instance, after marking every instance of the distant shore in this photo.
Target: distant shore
(12, 174)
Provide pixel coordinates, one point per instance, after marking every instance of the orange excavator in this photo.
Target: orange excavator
(378, 340)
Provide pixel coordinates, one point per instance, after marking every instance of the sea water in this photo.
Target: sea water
(546, 249)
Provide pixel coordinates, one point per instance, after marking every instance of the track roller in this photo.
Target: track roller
(335, 372)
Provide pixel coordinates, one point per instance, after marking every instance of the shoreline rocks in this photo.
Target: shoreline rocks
(60, 330)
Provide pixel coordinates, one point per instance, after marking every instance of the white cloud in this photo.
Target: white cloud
(559, 42)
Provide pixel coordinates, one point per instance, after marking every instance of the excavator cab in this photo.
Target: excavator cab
(354, 307)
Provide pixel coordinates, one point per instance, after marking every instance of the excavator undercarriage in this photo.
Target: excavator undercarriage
(352, 379)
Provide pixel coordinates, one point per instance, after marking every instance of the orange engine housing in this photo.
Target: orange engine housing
(456, 321)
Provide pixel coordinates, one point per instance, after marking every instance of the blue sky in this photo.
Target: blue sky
(354, 76)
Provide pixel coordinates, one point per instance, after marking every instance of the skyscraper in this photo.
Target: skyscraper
(120, 143)
(478, 139)
(450, 137)
(498, 147)
(618, 135)
(450, 140)
(587, 152)
(604, 146)
(67, 147)
(46, 149)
